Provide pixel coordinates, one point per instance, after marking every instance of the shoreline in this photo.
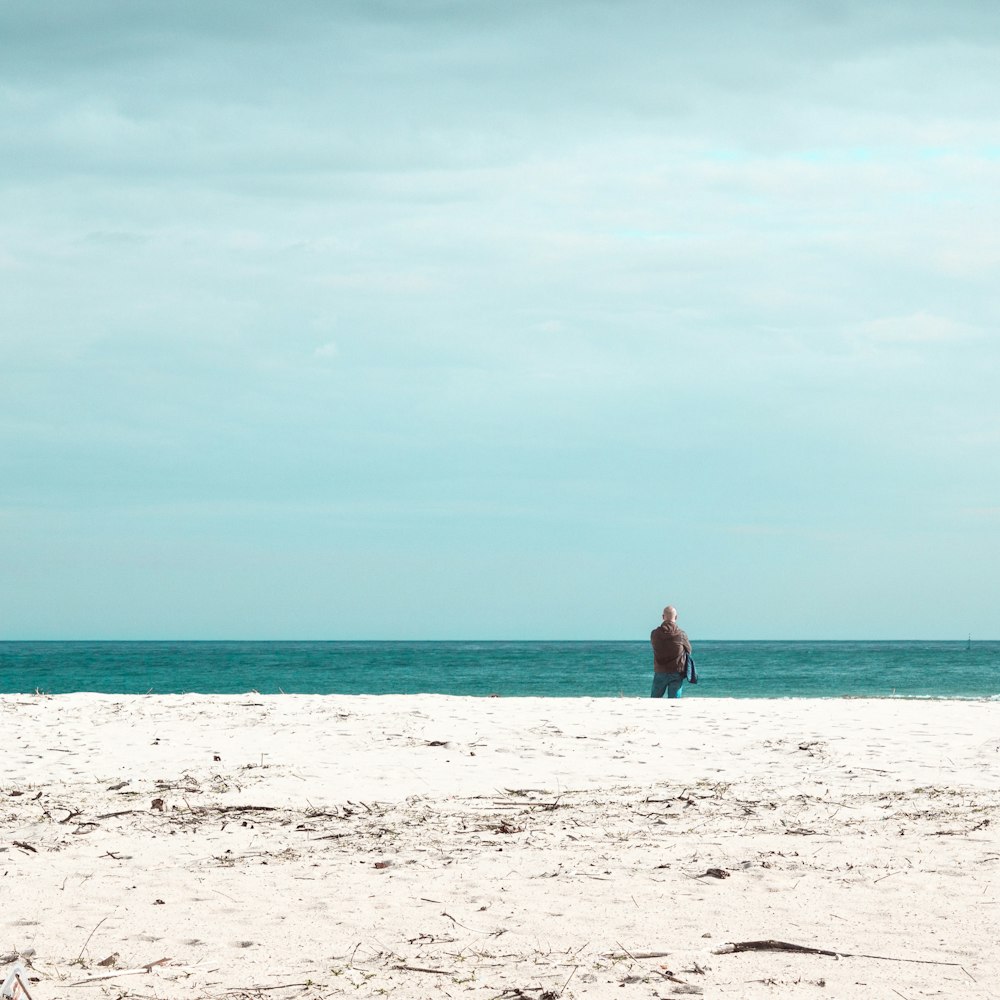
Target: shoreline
(357, 843)
(687, 696)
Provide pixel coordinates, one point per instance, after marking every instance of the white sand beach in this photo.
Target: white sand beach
(424, 846)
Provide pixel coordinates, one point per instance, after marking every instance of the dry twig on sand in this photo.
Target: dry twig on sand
(734, 947)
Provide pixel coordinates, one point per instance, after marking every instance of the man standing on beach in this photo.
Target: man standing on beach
(670, 650)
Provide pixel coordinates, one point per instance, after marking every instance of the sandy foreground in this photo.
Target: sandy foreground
(429, 846)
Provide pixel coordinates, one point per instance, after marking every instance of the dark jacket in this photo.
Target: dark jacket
(670, 648)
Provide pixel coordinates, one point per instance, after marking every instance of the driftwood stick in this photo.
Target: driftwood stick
(626, 951)
(565, 984)
(737, 946)
(475, 930)
(261, 989)
(236, 809)
(147, 968)
(638, 954)
(90, 935)
(417, 968)
(733, 947)
(668, 975)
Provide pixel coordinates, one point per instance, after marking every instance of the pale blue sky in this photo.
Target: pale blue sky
(499, 320)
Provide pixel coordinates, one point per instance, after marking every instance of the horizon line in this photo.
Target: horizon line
(968, 639)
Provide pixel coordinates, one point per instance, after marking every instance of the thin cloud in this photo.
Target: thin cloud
(919, 328)
(327, 352)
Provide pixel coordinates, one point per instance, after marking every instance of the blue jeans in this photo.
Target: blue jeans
(669, 684)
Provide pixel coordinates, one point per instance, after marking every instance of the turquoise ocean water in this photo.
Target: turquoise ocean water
(508, 669)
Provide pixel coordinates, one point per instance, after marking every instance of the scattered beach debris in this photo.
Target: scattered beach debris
(418, 968)
(137, 971)
(24, 957)
(618, 955)
(735, 947)
(526, 993)
(714, 873)
(506, 827)
(449, 843)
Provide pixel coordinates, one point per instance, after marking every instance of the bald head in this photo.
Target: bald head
(669, 614)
